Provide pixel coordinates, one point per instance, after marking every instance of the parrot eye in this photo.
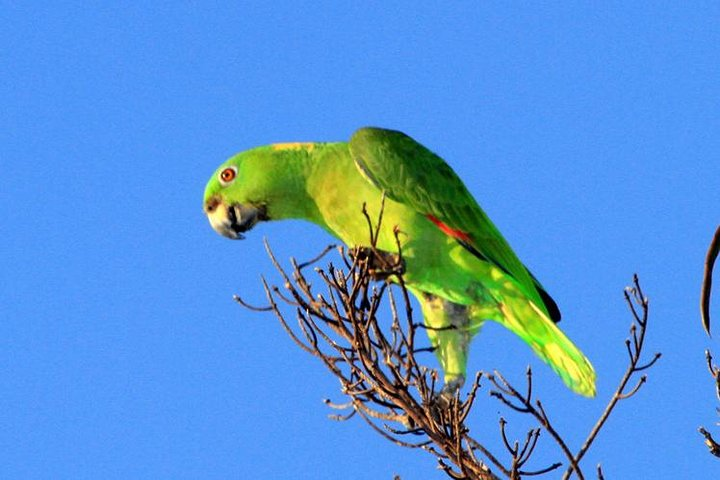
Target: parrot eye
(227, 175)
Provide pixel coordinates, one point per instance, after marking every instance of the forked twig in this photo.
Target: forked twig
(509, 395)
(635, 299)
(524, 403)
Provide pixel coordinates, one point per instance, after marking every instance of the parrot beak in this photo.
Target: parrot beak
(230, 220)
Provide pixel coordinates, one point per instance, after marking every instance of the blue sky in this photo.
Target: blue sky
(588, 132)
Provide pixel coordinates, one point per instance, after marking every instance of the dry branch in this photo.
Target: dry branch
(706, 288)
(714, 370)
(385, 384)
(705, 292)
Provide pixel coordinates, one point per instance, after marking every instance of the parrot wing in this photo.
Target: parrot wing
(411, 174)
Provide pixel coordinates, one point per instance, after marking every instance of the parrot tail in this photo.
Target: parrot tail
(533, 325)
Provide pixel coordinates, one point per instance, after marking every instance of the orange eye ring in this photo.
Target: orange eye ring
(227, 175)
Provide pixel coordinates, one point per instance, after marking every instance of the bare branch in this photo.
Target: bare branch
(242, 302)
(706, 289)
(712, 445)
(317, 258)
(387, 386)
(376, 366)
(600, 473)
(714, 371)
(545, 470)
(635, 299)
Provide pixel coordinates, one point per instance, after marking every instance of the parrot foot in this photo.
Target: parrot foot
(381, 264)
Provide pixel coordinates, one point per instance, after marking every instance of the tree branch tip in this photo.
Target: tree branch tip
(649, 364)
(543, 471)
(243, 303)
(636, 388)
(341, 418)
(710, 442)
(337, 406)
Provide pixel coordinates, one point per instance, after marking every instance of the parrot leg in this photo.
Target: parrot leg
(450, 330)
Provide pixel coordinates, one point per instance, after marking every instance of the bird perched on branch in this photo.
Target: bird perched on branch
(456, 262)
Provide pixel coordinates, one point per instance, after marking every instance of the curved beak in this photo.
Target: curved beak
(230, 220)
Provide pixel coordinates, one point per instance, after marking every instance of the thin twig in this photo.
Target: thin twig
(633, 297)
(242, 302)
(317, 258)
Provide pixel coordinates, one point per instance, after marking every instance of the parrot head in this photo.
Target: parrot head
(228, 205)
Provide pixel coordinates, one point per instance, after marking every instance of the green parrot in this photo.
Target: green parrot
(457, 264)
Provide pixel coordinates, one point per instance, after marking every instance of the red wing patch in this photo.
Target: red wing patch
(454, 233)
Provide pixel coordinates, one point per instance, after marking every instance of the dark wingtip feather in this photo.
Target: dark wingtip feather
(550, 305)
(552, 309)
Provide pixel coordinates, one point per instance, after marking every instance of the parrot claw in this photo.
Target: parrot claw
(381, 264)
